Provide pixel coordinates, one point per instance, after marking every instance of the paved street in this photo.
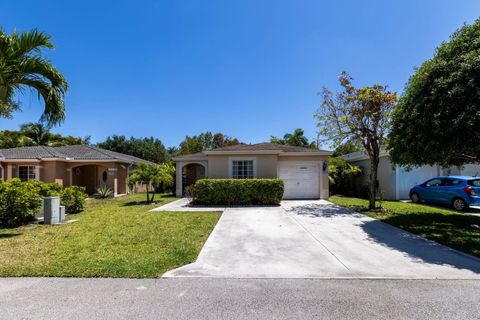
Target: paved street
(201, 298)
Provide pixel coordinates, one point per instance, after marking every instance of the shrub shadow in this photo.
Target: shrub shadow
(8, 235)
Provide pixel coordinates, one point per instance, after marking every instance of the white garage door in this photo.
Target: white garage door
(301, 179)
(408, 179)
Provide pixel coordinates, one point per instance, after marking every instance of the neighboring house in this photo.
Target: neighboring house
(395, 181)
(303, 170)
(78, 165)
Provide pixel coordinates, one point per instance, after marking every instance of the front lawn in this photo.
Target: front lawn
(113, 238)
(443, 226)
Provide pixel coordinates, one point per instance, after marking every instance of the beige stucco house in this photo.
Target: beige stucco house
(79, 165)
(303, 170)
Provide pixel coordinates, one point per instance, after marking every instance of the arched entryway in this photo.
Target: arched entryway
(91, 177)
(191, 173)
(188, 173)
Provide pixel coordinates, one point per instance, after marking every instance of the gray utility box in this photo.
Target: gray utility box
(52, 214)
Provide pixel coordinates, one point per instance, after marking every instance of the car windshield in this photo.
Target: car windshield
(474, 183)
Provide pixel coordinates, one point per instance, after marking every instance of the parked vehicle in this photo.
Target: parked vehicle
(459, 191)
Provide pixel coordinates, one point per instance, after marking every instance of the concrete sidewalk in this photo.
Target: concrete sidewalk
(316, 239)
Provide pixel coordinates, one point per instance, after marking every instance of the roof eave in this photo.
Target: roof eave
(307, 153)
(212, 152)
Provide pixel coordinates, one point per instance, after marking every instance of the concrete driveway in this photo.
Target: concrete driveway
(316, 239)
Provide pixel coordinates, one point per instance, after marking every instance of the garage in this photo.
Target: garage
(301, 179)
(407, 179)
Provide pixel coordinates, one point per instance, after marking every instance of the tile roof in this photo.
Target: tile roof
(75, 152)
(266, 146)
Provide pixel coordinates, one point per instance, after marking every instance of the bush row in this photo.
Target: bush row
(238, 191)
(21, 201)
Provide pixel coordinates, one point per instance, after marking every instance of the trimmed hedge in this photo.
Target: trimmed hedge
(238, 191)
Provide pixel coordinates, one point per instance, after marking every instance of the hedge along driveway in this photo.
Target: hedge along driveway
(113, 238)
(238, 191)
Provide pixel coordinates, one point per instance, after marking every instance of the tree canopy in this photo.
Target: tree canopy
(22, 65)
(359, 115)
(37, 134)
(438, 117)
(150, 149)
(297, 138)
(205, 141)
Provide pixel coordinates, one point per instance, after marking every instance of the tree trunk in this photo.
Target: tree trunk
(374, 159)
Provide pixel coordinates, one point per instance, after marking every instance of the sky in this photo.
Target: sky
(248, 69)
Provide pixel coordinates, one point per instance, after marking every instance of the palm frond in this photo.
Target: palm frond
(25, 42)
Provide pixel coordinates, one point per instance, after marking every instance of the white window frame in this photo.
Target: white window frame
(35, 171)
(230, 165)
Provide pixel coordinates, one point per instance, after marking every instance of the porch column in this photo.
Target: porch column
(114, 173)
(179, 182)
(70, 177)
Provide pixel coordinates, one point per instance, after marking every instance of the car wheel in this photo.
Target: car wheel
(415, 197)
(459, 204)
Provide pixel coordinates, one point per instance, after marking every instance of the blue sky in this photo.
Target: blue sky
(249, 69)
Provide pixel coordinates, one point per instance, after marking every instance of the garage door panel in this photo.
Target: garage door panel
(301, 179)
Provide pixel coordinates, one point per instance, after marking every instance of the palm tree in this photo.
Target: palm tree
(23, 66)
(296, 138)
(38, 133)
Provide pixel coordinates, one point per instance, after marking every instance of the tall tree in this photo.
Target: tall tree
(438, 117)
(360, 115)
(150, 149)
(37, 134)
(297, 138)
(205, 141)
(22, 65)
(346, 148)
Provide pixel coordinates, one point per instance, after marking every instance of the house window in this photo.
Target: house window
(242, 169)
(26, 173)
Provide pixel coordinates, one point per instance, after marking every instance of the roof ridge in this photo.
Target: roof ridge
(98, 150)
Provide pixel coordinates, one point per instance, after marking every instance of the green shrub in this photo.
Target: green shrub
(73, 198)
(238, 191)
(19, 202)
(46, 189)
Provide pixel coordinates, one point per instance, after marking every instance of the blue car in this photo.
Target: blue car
(459, 191)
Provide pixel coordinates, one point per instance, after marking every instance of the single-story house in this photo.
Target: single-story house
(303, 170)
(396, 181)
(78, 165)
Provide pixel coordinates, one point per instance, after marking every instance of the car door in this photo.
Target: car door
(430, 189)
(448, 190)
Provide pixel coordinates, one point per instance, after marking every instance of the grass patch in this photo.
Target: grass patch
(443, 226)
(116, 237)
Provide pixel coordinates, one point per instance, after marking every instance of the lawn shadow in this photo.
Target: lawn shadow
(140, 203)
(442, 226)
(8, 235)
(470, 210)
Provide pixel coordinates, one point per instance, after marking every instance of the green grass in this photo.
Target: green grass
(113, 238)
(443, 226)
